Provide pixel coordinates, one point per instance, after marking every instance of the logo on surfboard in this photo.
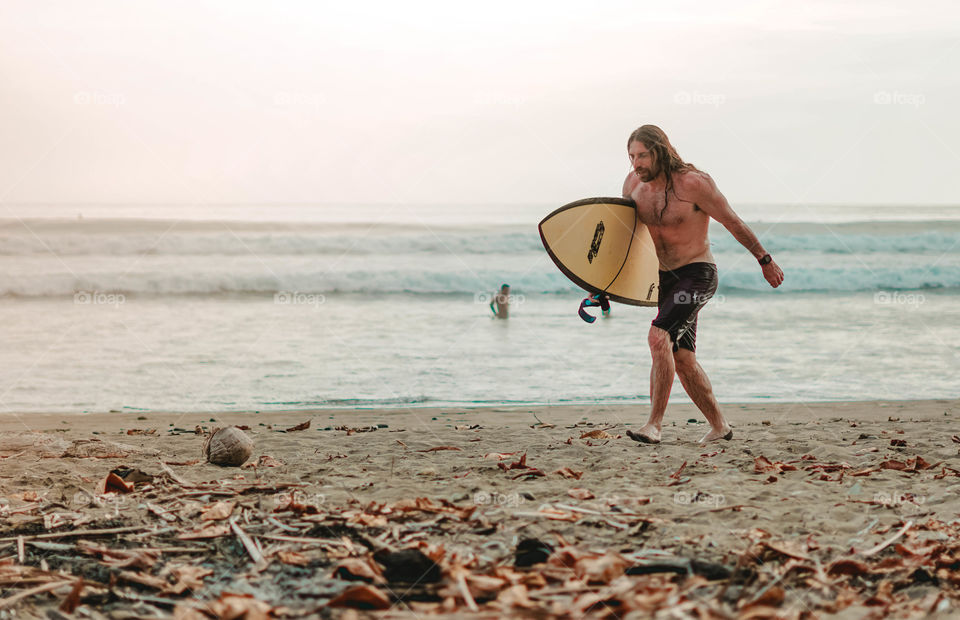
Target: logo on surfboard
(595, 245)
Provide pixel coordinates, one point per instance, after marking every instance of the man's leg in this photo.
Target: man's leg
(661, 380)
(698, 388)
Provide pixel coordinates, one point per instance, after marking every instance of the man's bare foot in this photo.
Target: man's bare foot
(647, 434)
(725, 433)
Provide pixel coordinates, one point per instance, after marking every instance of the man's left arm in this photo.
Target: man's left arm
(706, 196)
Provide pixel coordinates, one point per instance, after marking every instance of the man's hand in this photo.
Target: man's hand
(773, 273)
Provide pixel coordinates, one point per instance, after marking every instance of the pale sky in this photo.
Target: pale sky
(492, 102)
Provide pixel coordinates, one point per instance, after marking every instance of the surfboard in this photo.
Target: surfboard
(601, 245)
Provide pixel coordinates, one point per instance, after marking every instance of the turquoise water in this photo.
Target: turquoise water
(131, 314)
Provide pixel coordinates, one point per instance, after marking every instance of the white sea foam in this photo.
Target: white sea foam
(151, 257)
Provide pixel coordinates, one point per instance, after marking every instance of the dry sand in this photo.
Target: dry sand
(689, 493)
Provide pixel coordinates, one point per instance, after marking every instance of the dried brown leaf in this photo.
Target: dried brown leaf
(361, 597)
(211, 530)
(265, 460)
(762, 465)
(788, 548)
(72, 600)
(289, 503)
(424, 504)
(236, 606)
(848, 567)
(515, 596)
(773, 597)
(187, 577)
(359, 569)
(676, 474)
(115, 484)
(218, 511)
(293, 558)
(528, 473)
(566, 472)
(520, 463)
(603, 569)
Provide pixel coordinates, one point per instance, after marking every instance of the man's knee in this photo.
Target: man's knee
(685, 362)
(659, 341)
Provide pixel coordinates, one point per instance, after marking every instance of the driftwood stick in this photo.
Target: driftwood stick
(542, 423)
(308, 541)
(104, 532)
(47, 587)
(888, 542)
(248, 543)
(465, 592)
(175, 477)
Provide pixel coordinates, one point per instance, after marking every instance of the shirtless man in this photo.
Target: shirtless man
(676, 202)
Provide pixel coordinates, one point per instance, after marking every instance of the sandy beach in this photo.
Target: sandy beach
(800, 488)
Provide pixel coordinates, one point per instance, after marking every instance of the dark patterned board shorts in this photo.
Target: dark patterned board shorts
(683, 292)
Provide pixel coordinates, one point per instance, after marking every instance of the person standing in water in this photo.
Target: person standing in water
(676, 201)
(500, 304)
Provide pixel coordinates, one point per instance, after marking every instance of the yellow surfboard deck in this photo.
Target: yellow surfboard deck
(602, 247)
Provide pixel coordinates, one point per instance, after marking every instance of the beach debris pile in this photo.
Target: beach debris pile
(251, 538)
(235, 548)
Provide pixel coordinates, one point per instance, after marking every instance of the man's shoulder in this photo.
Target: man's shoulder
(692, 177)
(630, 183)
(696, 181)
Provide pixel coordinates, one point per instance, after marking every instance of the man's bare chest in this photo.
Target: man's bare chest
(656, 209)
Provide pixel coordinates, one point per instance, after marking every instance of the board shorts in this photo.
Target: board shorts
(683, 292)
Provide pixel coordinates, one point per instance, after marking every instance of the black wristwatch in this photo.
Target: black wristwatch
(765, 259)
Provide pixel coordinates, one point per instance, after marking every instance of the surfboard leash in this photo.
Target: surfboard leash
(597, 299)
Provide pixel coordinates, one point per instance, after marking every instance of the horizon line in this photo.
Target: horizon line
(431, 204)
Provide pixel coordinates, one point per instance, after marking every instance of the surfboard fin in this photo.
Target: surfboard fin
(597, 299)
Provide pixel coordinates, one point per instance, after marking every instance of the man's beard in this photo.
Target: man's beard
(645, 175)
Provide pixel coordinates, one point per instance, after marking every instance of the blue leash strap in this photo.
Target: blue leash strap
(597, 299)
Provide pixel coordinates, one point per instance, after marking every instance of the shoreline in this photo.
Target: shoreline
(627, 414)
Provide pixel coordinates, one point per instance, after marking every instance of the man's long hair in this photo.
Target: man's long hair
(665, 157)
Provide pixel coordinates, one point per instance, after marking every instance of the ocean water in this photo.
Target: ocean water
(166, 308)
